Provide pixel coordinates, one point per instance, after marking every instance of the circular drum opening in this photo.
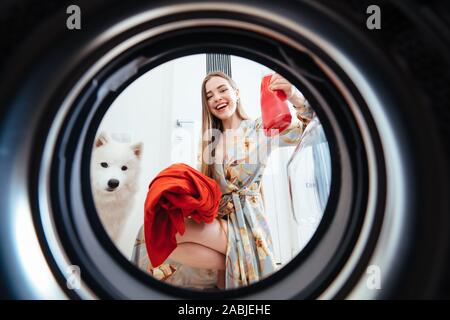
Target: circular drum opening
(146, 51)
(291, 170)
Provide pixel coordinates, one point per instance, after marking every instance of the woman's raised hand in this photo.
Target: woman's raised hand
(293, 95)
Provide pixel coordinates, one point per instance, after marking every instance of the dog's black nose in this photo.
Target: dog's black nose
(113, 183)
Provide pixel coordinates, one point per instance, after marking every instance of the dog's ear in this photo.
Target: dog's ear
(101, 140)
(137, 149)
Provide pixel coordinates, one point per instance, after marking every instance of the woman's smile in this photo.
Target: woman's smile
(222, 107)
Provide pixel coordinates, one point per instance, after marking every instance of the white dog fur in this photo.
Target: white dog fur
(115, 168)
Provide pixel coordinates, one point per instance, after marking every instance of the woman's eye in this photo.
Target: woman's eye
(104, 165)
(208, 97)
(124, 168)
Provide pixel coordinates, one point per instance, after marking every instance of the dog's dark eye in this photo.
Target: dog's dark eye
(104, 165)
(124, 168)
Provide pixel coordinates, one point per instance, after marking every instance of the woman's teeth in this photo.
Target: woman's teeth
(221, 106)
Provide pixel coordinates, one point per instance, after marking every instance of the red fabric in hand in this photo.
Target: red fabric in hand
(175, 193)
(275, 112)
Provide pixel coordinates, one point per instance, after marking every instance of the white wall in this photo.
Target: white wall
(147, 111)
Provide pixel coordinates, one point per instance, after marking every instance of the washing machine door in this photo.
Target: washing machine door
(309, 174)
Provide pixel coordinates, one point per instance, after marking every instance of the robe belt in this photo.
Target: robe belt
(233, 197)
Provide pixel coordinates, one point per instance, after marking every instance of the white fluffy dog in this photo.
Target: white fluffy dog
(115, 168)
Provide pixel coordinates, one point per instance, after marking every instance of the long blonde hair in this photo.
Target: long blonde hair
(210, 122)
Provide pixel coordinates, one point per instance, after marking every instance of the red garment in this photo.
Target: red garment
(176, 192)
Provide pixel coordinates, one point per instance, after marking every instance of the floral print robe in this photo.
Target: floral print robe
(249, 255)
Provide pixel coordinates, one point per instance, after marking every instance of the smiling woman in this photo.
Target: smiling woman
(249, 237)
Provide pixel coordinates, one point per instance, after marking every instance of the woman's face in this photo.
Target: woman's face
(221, 97)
